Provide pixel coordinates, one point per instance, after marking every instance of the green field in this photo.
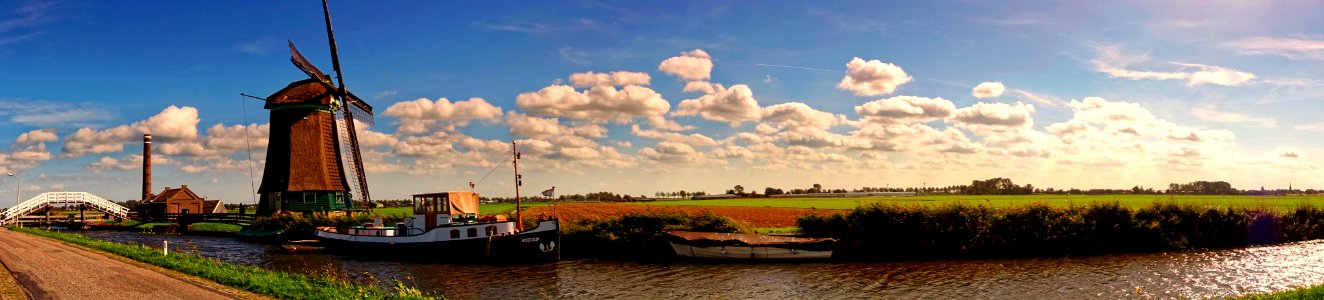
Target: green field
(483, 209)
(1278, 203)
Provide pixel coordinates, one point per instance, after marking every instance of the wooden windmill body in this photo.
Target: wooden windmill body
(304, 169)
(313, 143)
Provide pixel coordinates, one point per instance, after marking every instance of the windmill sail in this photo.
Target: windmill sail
(308, 67)
(347, 149)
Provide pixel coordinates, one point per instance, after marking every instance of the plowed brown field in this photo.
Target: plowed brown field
(751, 216)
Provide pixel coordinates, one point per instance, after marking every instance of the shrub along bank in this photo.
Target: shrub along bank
(254, 279)
(878, 231)
(638, 235)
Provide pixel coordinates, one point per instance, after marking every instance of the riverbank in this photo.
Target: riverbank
(247, 278)
(893, 232)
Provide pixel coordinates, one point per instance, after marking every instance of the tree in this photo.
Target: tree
(818, 188)
(739, 189)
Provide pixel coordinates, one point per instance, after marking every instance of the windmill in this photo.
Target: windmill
(313, 133)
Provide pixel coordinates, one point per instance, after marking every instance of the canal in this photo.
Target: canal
(1190, 274)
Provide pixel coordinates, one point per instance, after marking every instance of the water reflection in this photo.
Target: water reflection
(1196, 274)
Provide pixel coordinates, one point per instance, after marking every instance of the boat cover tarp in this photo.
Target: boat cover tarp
(711, 239)
(463, 203)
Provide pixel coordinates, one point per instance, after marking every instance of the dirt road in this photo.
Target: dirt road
(49, 269)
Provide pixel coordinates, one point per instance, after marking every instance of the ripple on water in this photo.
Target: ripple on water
(1192, 274)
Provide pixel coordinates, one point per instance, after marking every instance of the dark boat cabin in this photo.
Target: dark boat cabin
(436, 209)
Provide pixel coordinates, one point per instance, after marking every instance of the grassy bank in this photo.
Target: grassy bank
(249, 278)
(1314, 292)
(880, 231)
(637, 235)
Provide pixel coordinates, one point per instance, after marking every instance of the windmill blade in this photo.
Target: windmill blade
(360, 110)
(308, 67)
(362, 115)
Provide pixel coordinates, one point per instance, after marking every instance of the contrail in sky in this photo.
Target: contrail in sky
(802, 68)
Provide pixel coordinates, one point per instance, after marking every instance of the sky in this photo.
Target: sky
(648, 96)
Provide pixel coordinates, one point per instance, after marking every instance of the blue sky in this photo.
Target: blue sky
(1085, 95)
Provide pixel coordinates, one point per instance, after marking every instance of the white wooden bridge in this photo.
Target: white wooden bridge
(48, 199)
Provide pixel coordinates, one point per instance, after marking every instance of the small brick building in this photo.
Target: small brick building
(179, 201)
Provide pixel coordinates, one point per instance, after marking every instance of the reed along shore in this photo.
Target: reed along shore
(894, 232)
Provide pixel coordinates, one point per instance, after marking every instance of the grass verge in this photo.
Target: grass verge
(9, 289)
(1314, 292)
(254, 279)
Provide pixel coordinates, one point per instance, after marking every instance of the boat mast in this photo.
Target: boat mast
(519, 222)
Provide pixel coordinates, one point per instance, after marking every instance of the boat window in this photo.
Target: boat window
(455, 233)
(473, 232)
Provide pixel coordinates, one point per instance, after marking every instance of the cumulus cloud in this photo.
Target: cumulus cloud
(172, 124)
(732, 105)
(230, 138)
(37, 136)
(693, 139)
(128, 162)
(905, 109)
(423, 115)
(988, 90)
(597, 104)
(872, 78)
(995, 116)
(619, 78)
(670, 152)
(799, 115)
(693, 65)
(1113, 62)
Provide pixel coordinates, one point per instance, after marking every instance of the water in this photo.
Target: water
(1191, 274)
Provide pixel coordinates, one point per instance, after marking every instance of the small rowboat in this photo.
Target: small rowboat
(748, 246)
(303, 246)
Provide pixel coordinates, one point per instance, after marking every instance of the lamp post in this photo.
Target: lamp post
(18, 184)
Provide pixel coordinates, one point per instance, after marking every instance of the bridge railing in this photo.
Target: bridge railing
(48, 198)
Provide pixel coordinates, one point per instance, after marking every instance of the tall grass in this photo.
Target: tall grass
(880, 231)
(637, 235)
(254, 279)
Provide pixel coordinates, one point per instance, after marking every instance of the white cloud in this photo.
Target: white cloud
(423, 115)
(1309, 127)
(1292, 48)
(693, 139)
(597, 104)
(172, 124)
(1210, 113)
(693, 65)
(734, 105)
(128, 162)
(1113, 62)
(798, 115)
(995, 116)
(872, 78)
(229, 138)
(905, 109)
(37, 136)
(670, 152)
(619, 78)
(1039, 99)
(988, 90)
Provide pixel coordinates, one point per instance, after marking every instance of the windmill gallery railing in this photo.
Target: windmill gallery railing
(44, 200)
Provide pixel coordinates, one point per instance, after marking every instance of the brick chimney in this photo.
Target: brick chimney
(147, 166)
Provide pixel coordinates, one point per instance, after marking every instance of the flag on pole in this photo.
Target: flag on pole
(549, 192)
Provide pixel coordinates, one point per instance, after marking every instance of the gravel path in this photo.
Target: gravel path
(49, 269)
